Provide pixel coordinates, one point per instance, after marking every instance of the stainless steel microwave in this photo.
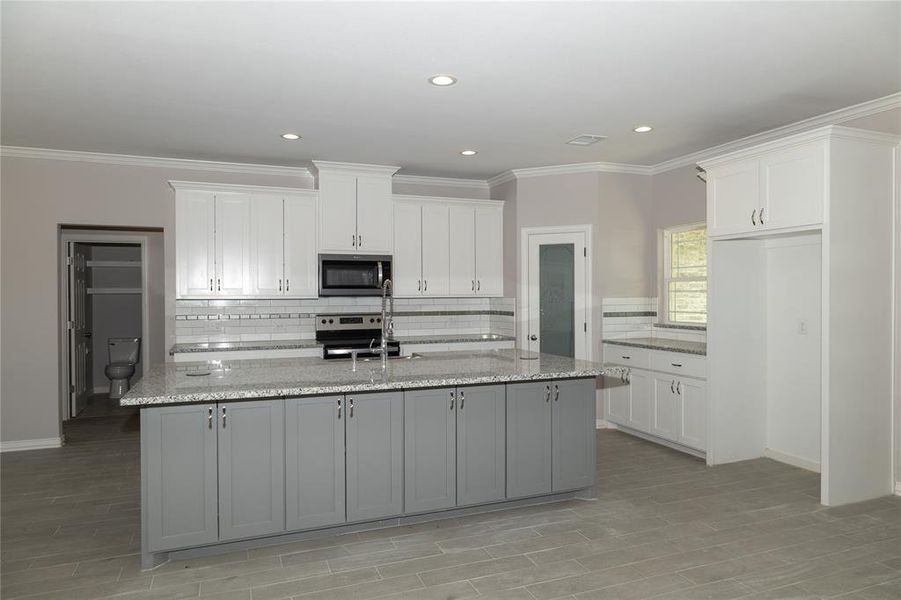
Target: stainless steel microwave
(353, 274)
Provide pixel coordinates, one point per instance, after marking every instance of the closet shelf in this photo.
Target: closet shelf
(120, 290)
(114, 263)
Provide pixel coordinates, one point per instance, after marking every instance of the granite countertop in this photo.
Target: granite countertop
(300, 344)
(178, 383)
(669, 345)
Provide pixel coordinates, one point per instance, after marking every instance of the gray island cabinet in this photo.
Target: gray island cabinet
(238, 470)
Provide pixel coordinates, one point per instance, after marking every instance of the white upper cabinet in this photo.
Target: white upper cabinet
(781, 187)
(447, 247)
(195, 243)
(462, 251)
(355, 208)
(242, 242)
(435, 250)
(233, 277)
(489, 250)
(407, 263)
(300, 247)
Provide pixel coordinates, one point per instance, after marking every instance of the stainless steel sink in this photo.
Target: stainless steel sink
(412, 356)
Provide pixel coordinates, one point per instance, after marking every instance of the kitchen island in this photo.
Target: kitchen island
(239, 453)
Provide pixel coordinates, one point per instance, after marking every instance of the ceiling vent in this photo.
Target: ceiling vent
(586, 139)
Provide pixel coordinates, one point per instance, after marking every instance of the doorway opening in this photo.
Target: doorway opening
(555, 294)
(104, 319)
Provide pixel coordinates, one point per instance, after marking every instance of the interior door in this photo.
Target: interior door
(557, 294)
(435, 250)
(80, 322)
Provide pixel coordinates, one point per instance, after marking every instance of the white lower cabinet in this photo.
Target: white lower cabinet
(669, 406)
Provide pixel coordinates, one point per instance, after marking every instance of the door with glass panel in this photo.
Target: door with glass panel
(557, 294)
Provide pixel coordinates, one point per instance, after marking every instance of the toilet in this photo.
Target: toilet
(123, 355)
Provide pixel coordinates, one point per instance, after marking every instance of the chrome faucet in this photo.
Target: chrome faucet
(387, 322)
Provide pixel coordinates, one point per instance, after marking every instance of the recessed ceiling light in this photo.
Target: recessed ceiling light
(290, 136)
(469, 152)
(643, 129)
(442, 80)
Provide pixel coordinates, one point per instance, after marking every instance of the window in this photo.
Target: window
(685, 274)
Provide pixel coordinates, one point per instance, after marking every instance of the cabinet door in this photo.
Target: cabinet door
(407, 263)
(462, 264)
(640, 394)
(314, 467)
(232, 244)
(195, 243)
(375, 215)
(528, 439)
(430, 449)
(178, 453)
(489, 250)
(793, 183)
(375, 438)
(300, 247)
(251, 468)
(666, 413)
(573, 434)
(337, 212)
(435, 250)
(616, 395)
(733, 198)
(266, 247)
(693, 429)
(481, 444)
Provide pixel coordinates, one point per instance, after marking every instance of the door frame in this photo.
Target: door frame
(525, 236)
(87, 237)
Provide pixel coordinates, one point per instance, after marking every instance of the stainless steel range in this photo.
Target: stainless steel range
(341, 334)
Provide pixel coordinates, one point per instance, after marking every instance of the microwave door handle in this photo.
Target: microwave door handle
(381, 273)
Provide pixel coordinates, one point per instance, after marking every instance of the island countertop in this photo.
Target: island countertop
(180, 383)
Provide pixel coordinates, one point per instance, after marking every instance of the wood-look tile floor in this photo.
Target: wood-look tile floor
(665, 526)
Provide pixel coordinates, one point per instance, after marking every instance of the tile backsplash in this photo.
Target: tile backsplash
(282, 319)
(637, 317)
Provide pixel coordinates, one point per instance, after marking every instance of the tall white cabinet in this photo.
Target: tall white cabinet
(831, 190)
(355, 208)
(447, 247)
(243, 241)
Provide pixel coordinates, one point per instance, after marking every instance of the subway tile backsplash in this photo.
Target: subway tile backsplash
(281, 319)
(637, 317)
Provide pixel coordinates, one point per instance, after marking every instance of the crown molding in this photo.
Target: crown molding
(129, 160)
(358, 168)
(235, 188)
(592, 167)
(479, 184)
(500, 178)
(857, 111)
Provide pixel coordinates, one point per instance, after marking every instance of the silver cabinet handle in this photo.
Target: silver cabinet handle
(754, 217)
(761, 216)
(353, 240)
(359, 241)
(209, 419)
(462, 399)
(452, 401)
(425, 285)
(676, 364)
(351, 405)
(219, 285)
(419, 285)
(478, 284)
(627, 358)
(279, 285)
(287, 285)
(672, 387)
(547, 393)
(679, 387)
(473, 285)
(224, 418)
(339, 408)
(556, 392)
(211, 284)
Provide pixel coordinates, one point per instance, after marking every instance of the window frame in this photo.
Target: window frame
(666, 272)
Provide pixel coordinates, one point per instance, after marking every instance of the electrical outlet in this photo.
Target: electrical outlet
(802, 327)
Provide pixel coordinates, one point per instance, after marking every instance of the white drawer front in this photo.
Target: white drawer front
(678, 363)
(626, 355)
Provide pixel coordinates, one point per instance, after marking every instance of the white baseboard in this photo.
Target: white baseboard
(39, 444)
(790, 459)
(898, 488)
(602, 424)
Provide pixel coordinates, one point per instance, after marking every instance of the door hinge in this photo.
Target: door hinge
(70, 325)
(71, 388)
(68, 261)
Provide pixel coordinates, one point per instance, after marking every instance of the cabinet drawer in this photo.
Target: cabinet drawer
(626, 355)
(678, 363)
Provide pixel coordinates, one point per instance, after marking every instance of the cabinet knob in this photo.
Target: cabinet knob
(533, 337)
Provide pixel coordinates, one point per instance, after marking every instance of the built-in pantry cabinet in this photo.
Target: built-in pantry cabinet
(355, 208)
(658, 393)
(241, 241)
(447, 247)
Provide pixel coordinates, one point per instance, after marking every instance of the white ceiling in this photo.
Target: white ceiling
(221, 81)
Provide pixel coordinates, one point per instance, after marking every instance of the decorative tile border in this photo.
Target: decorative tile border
(412, 313)
(688, 327)
(637, 313)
